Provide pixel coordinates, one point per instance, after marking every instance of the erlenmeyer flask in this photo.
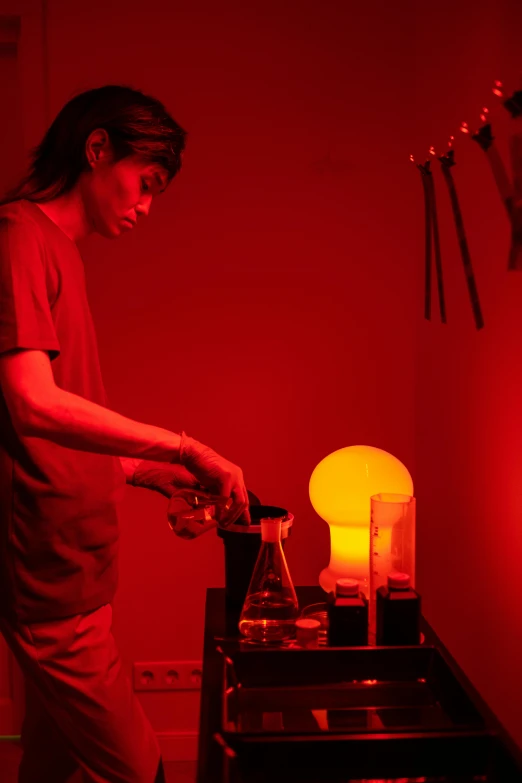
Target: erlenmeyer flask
(270, 609)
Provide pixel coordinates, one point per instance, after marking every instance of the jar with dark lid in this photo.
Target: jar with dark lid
(398, 612)
(347, 615)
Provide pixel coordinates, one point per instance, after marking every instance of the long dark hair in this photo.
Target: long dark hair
(135, 124)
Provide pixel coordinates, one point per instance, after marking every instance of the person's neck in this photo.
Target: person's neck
(68, 212)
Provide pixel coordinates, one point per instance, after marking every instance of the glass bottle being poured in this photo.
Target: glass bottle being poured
(270, 609)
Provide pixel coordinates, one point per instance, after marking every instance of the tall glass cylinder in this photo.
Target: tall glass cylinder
(392, 542)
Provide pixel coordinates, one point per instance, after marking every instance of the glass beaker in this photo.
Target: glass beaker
(318, 612)
(270, 609)
(392, 543)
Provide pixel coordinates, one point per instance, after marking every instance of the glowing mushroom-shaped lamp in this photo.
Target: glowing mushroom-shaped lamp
(340, 490)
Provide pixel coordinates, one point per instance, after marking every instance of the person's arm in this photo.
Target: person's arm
(159, 476)
(40, 409)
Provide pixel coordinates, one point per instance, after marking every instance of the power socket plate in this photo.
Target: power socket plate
(167, 675)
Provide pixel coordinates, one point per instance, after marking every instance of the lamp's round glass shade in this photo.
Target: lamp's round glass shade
(340, 490)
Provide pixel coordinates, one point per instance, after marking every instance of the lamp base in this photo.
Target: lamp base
(328, 578)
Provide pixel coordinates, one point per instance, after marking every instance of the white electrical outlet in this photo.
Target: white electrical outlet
(167, 676)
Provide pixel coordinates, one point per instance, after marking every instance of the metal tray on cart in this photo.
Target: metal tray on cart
(338, 714)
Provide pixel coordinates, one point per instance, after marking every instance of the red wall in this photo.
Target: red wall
(468, 412)
(266, 304)
(271, 303)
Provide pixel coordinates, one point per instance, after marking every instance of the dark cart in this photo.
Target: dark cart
(342, 714)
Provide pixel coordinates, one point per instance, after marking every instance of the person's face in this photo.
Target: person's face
(117, 194)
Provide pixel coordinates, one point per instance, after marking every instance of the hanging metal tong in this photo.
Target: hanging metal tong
(447, 162)
(432, 241)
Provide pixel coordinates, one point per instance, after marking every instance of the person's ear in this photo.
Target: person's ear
(98, 147)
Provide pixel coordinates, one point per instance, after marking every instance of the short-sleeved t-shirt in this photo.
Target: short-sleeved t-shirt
(58, 517)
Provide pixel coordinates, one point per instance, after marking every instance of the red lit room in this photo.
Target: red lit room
(260, 421)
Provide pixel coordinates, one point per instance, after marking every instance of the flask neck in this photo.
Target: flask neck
(271, 531)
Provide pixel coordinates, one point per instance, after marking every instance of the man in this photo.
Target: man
(64, 455)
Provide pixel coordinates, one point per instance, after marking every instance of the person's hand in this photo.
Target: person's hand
(163, 477)
(218, 475)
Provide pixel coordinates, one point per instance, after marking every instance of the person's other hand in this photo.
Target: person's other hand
(218, 475)
(163, 477)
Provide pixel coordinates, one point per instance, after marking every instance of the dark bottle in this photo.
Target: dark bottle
(398, 612)
(347, 615)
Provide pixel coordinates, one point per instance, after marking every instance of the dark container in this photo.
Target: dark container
(242, 545)
(347, 616)
(398, 616)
